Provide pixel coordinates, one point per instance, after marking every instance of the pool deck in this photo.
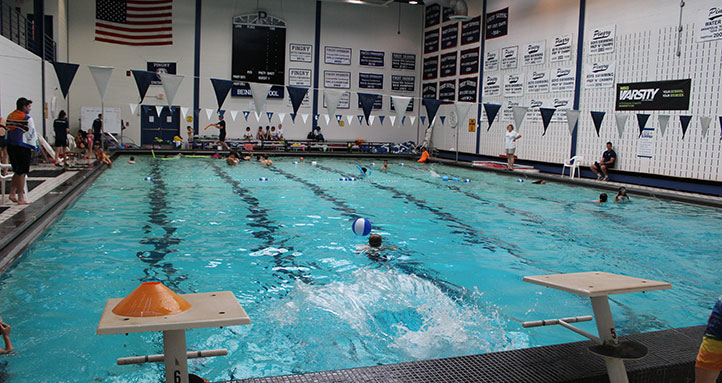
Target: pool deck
(670, 360)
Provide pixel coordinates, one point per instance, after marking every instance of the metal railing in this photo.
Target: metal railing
(18, 29)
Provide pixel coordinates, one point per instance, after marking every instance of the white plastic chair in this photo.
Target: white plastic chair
(573, 165)
(3, 179)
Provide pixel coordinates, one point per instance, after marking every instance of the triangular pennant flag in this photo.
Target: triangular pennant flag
(184, 111)
(66, 74)
(393, 120)
(293, 117)
(143, 79)
(349, 118)
(296, 94)
(197, 112)
(101, 75)
(705, 121)
(258, 116)
(221, 88)
(720, 127)
(234, 113)
(443, 119)
(432, 106)
(360, 118)
(491, 112)
(259, 93)
(663, 121)
(159, 110)
(519, 113)
(133, 108)
(685, 120)
(269, 115)
(338, 119)
(400, 103)
(327, 118)
(209, 113)
(171, 83)
(282, 116)
(462, 112)
(304, 116)
(316, 117)
(381, 119)
(246, 114)
(423, 120)
(572, 118)
(546, 115)
(371, 120)
(642, 119)
(597, 118)
(367, 101)
(333, 97)
(403, 120)
(621, 122)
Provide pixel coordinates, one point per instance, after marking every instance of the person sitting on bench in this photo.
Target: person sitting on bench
(609, 157)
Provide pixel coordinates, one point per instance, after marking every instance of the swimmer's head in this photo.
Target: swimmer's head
(622, 191)
(375, 240)
(603, 197)
(248, 129)
(510, 127)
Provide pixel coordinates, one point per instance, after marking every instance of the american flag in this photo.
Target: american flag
(134, 22)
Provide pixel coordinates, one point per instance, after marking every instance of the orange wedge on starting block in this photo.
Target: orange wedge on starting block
(151, 299)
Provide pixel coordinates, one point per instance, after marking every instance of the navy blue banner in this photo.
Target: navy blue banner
(497, 23)
(448, 64)
(431, 68)
(221, 87)
(371, 58)
(429, 90)
(491, 111)
(431, 41)
(597, 118)
(368, 101)
(467, 89)
(685, 120)
(378, 102)
(432, 107)
(142, 81)
(447, 90)
(447, 12)
(450, 36)
(370, 81)
(471, 31)
(403, 83)
(433, 15)
(405, 61)
(642, 119)
(546, 115)
(296, 94)
(66, 74)
(469, 62)
(158, 68)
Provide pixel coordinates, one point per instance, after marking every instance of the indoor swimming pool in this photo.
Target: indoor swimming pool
(285, 248)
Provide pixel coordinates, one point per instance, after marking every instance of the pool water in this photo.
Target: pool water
(285, 248)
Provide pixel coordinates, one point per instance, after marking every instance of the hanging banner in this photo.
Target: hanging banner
(404, 61)
(597, 118)
(492, 86)
(431, 41)
(654, 95)
(491, 60)
(296, 96)
(490, 112)
(337, 56)
(471, 31)
(645, 143)
(708, 21)
(367, 102)
(602, 40)
(663, 121)
(331, 99)
(431, 68)
(101, 75)
(467, 89)
(65, 73)
(371, 58)
(685, 120)
(221, 88)
(447, 90)
(433, 15)
(432, 107)
(160, 68)
(142, 81)
(344, 102)
(448, 64)
(370, 81)
(538, 82)
(428, 90)
(599, 75)
(403, 83)
(171, 83)
(376, 98)
(299, 77)
(514, 85)
(401, 101)
(450, 36)
(562, 49)
(507, 113)
(302, 53)
(563, 80)
(469, 62)
(497, 23)
(509, 57)
(535, 53)
(336, 80)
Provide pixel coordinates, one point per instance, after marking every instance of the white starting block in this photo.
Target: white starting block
(598, 286)
(215, 309)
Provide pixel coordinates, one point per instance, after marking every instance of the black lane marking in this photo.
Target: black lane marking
(266, 229)
(157, 216)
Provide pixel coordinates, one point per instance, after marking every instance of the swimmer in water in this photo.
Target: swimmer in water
(231, 160)
(602, 198)
(373, 249)
(622, 197)
(300, 159)
(386, 165)
(131, 160)
(540, 182)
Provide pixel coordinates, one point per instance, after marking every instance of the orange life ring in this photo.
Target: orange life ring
(424, 156)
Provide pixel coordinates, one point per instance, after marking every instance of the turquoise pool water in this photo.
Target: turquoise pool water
(285, 248)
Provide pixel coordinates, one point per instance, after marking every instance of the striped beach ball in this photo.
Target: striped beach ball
(361, 226)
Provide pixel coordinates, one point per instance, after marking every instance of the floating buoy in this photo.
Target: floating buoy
(455, 179)
(401, 164)
(295, 162)
(444, 178)
(361, 226)
(263, 179)
(352, 179)
(342, 179)
(466, 180)
(149, 178)
(372, 164)
(520, 180)
(313, 163)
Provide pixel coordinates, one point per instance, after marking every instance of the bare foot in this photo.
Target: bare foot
(12, 198)
(23, 202)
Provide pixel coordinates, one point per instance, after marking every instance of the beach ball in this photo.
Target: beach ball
(361, 226)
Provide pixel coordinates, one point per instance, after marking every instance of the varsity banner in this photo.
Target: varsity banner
(654, 95)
